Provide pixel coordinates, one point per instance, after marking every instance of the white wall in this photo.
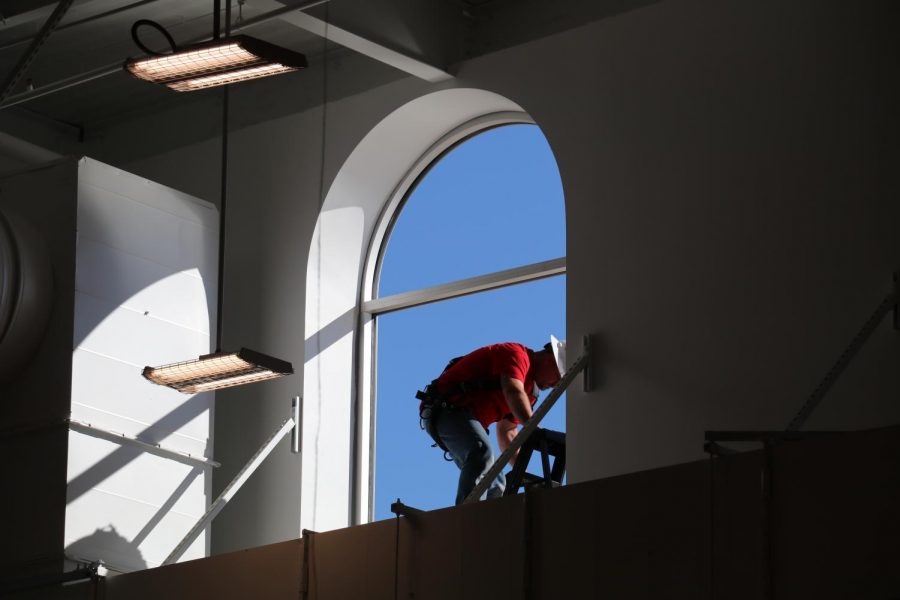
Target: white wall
(145, 294)
(730, 214)
(356, 213)
(728, 226)
(274, 196)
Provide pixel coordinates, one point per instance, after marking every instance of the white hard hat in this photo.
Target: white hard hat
(559, 353)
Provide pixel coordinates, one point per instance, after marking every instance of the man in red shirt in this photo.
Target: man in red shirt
(495, 384)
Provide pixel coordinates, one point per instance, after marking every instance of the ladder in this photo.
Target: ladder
(529, 428)
(548, 443)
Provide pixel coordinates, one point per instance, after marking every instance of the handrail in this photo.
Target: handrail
(529, 427)
(889, 303)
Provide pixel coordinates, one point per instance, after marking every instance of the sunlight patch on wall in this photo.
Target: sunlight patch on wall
(144, 294)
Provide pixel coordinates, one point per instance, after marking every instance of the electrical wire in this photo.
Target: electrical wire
(153, 24)
(324, 106)
(319, 270)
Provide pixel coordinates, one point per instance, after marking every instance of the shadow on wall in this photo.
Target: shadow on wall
(127, 287)
(110, 547)
(120, 457)
(330, 334)
(143, 247)
(167, 506)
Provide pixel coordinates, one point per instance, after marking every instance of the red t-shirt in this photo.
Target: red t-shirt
(489, 363)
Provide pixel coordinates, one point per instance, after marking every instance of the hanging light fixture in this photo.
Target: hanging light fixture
(220, 369)
(221, 61)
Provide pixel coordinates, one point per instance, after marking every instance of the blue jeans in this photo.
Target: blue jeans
(471, 450)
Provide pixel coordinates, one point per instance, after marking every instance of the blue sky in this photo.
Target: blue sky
(493, 202)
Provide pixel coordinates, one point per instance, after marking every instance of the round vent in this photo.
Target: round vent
(26, 293)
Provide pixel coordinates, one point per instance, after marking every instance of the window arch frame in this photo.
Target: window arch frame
(371, 305)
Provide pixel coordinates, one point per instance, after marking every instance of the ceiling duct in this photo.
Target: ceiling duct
(26, 293)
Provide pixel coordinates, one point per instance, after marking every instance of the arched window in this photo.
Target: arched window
(475, 255)
(344, 300)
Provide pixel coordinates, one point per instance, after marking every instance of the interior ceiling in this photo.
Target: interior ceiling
(94, 36)
(76, 76)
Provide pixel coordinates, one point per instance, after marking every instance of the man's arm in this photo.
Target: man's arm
(506, 431)
(519, 405)
(516, 397)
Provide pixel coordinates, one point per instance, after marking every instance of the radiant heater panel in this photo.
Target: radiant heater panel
(220, 62)
(202, 61)
(246, 74)
(217, 371)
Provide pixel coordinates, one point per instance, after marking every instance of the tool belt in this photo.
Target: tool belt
(430, 410)
(433, 403)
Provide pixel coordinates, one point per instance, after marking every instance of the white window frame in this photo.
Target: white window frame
(371, 306)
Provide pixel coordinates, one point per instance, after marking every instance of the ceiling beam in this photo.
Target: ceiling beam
(82, 21)
(374, 50)
(116, 67)
(30, 54)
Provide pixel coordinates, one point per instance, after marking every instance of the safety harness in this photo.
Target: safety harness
(433, 402)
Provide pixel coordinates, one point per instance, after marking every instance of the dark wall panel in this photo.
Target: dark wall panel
(837, 517)
(34, 403)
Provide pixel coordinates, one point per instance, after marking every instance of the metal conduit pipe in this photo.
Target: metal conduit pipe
(81, 78)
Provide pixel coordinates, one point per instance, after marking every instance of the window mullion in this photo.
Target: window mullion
(464, 287)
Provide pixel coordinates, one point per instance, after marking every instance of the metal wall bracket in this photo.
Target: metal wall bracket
(587, 381)
(297, 431)
(897, 300)
(412, 515)
(713, 447)
(125, 440)
(231, 489)
(888, 305)
(400, 509)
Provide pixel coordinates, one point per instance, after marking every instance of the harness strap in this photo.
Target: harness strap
(461, 388)
(429, 413)
(430, 393)
(434, 402)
